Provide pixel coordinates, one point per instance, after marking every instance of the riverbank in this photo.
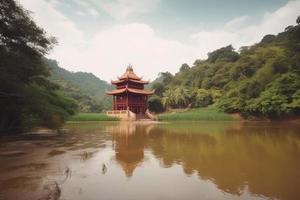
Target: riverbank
(92, 117)
(198, 114)
(195, 114)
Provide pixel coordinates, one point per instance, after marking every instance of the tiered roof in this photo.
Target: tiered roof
(126, 89)
(129, 76)
(131, 80)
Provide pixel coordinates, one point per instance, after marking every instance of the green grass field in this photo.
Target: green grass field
(197, 114)
(92, 117)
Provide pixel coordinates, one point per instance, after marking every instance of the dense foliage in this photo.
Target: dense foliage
(260, 80)
(27, 97)
(87, 89)
(155, 104)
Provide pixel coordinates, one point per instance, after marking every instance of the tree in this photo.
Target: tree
(203, 98)
(268, 38)
(158, 88)
(298, 20)
(155, 104)
(181, 96)
(223, 54)
(184, 67)
(289, 28)
(27, 96)
(167, 77)
(244, 50)
(198, 62)
(261, 80)
(176, 97)
(168, 98)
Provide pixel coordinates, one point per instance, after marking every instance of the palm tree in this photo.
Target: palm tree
(168, 98)
(181, 96)
(178, 97)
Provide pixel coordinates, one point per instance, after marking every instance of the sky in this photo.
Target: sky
(105, 36)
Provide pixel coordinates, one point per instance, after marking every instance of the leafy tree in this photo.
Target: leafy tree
(261, 80)
(289, 28)
(268, 38)
(176, 97)
(198, 62)
(158, 88)
(280, 65)
(216, 94)
(184, 67)
(167, 77)
(155, 104)
(244, 50)
(27, 96)
(168, 98)
(181, 96)
(203, 98)
(225, 54)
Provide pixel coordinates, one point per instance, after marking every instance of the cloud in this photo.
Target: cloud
(54, 22)
(273, 23)
(92, 12)
(120, 9)
(108, 51)
(111, 50)
(80, 13)
(235, 23)
(86, 9)
(236, 33)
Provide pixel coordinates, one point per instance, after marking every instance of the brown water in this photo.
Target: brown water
(207, 160)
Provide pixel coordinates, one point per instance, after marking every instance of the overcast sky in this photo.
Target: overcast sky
(104, 36)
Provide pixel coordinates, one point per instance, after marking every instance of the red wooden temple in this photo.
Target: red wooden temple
(130, 93)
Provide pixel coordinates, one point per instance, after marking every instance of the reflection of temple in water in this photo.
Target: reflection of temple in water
(236, 163)
(129, 142)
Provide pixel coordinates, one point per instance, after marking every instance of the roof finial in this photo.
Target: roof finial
(129, 68)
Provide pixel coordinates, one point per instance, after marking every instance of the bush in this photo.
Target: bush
(155, 104)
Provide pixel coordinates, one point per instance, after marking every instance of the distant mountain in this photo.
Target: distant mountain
(87, 89)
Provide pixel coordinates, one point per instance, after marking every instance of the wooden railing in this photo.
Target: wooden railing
(122, 114)
(116, 112)
(129, 115)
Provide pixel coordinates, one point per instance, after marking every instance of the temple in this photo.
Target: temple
(130, 93)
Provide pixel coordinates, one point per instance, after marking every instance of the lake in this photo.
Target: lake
(177, 160)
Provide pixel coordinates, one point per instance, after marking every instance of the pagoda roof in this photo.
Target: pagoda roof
(130, 90)
(129, 74)
(131, 80)
(128, 167)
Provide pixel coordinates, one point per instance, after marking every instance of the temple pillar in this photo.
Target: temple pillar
(126, 100)
(114, 103)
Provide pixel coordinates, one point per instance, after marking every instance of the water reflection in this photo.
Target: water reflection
(130, 141)
(155, 161)
(262, 159)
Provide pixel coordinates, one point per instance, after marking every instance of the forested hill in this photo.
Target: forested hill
(258, 80)
(87, 89)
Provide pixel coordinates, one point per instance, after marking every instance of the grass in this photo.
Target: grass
(92, 117)
(197, 114)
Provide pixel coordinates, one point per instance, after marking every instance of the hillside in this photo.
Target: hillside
(261, 80)
(87, 89)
